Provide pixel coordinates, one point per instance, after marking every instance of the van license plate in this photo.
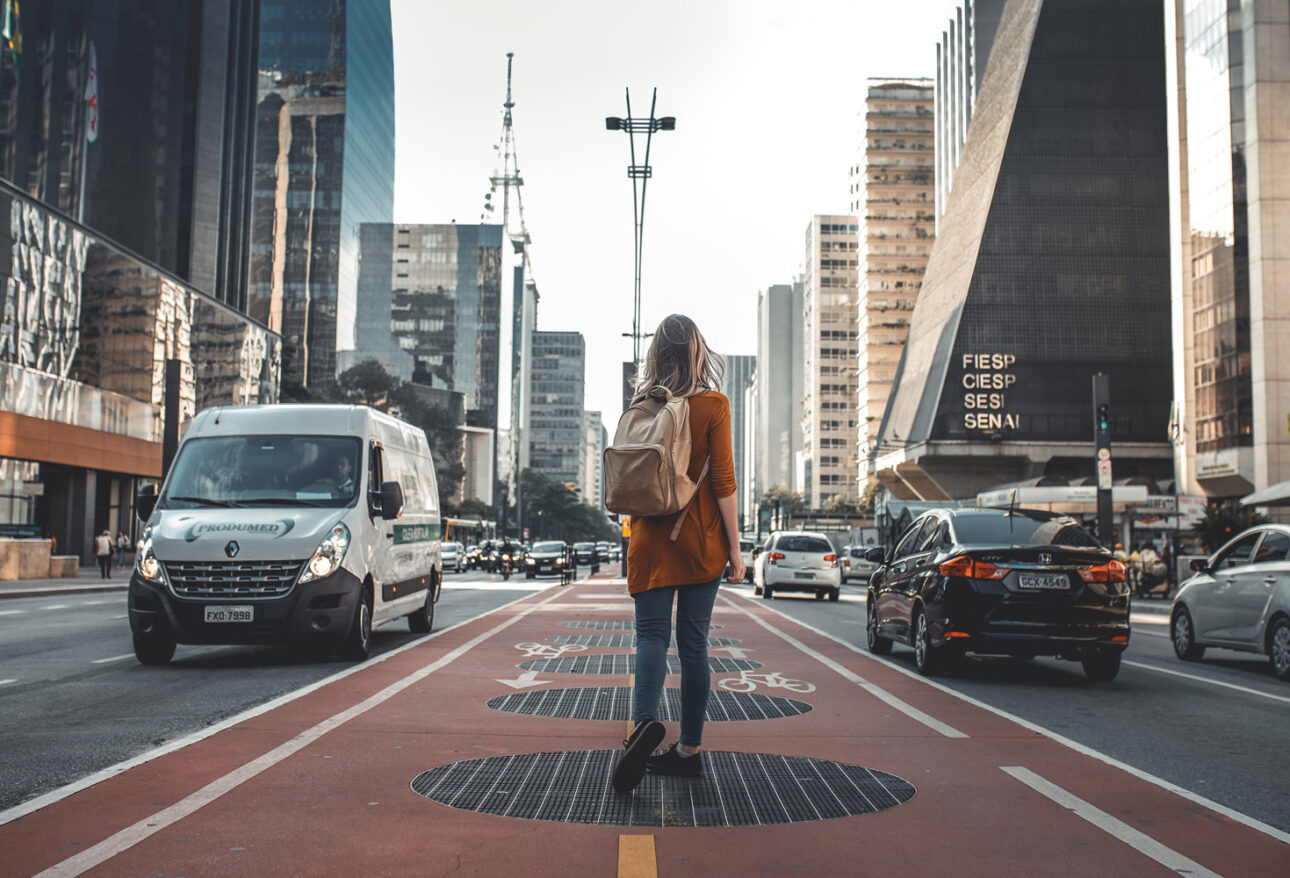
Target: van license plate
(229, 614)
(1049, 581)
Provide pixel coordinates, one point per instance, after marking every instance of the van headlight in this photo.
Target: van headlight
(327, 557)
(146, 563)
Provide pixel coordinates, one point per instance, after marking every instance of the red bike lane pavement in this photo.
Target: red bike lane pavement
(323, 784)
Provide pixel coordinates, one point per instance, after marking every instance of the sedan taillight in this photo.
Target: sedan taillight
(970, 568)
(1111, 571)
(772, 557)
(832, 559)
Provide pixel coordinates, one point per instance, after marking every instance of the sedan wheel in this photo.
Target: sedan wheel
(925, 657)
(1279, 648)
(1184, 637)
(878, 645)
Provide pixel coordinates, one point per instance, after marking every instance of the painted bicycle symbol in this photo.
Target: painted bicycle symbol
(747, 681)
(546, 650)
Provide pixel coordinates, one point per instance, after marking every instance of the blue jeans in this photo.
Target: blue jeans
(653, 631)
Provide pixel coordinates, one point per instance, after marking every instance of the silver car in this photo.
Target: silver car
(1239, 599)
(798, 561)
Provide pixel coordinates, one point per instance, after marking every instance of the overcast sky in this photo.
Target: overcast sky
(766, 95)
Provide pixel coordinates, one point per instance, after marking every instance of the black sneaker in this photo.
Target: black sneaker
(636, 749)
(670, 761)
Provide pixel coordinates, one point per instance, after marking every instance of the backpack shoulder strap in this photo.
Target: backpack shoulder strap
(685, 513)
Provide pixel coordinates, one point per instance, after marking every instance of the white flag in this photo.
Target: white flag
(92, 98)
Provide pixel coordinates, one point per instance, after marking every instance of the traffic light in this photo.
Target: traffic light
(1104, 418)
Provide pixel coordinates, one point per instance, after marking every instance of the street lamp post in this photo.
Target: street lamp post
(639, 175)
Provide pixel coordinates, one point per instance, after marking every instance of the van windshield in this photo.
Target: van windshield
(265, 471)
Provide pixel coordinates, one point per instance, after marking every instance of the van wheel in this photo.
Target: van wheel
(357, 644)
(422, 621)
(154, 649)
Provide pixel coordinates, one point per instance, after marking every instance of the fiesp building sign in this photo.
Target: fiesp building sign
(987, 378)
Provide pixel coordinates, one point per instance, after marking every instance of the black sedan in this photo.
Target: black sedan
(585, 553)
(544, 559)
(1002, 582)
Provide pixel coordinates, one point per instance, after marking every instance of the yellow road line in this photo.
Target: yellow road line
(636, 857)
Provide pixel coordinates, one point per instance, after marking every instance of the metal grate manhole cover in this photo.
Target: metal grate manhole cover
(612, 624)
(737, 789)
(623, 640)
(615, 703)
(618, 663)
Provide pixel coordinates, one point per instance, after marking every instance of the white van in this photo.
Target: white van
(285, 524)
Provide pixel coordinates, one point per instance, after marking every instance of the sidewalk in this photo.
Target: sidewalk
(88, 581)
(486, 749)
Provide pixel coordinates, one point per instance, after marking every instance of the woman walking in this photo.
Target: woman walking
(686, 571)
(103, 552)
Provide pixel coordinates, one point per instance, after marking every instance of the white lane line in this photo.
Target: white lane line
(872, 688)
(56, 607)
(11, 680)
(97, 777)
(1151, 634)
(1168, 786)
(1148, 619)
(166, 817)
(1142, 843)
(1196, 678)
(115, 658)
(12, 612)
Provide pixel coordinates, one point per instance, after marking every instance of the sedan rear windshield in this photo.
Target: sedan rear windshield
(802, 544)
(548, 547)
(1022, 530)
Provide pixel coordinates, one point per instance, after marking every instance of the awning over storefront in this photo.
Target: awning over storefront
(1273, 495)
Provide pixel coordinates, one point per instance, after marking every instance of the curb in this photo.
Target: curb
(58, 589)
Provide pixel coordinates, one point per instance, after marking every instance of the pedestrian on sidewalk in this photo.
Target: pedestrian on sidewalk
(626, 539)
(103, 552)
(686, 571)
(122, 546)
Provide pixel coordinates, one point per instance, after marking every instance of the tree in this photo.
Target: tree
(368, 384)
(869, 498)
(1225, 519)
(554, 511)
(841, 504)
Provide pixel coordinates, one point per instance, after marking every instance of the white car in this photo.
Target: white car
(1239, 599)
(798, 561)
(855, 567)
(454, 557)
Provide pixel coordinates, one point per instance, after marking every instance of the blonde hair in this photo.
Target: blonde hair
(679, 361)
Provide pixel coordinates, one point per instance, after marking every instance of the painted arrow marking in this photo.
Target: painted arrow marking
(524, 680)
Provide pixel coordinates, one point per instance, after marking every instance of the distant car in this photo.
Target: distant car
(855, 566)
(1239, 599)
(584, 553)
(1002, 582)
(798, 561)
(454, 556)
(544, 559)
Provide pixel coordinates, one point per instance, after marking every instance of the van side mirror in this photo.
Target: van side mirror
(145, 501)
(390, 499)
(1200, 565)
(876, 555)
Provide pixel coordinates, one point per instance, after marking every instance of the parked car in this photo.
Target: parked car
(1004, 582)
(855, 566)
(798, 561)
(1239, 599)
(453, 557)
(545, 558)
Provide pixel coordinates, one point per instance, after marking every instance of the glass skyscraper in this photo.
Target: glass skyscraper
(324, 164)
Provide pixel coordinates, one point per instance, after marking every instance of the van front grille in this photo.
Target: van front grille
(232, 579)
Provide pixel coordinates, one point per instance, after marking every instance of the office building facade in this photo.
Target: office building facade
(324, 164)
(827, 463)
(556, 420)
(591, 480)
(429, 298)
(1229, 103)
(1052, 263)
(897, 229)
(738, 378)
(779, 372)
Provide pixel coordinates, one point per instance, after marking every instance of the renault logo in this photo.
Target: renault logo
(231, 549)
(1044, 557)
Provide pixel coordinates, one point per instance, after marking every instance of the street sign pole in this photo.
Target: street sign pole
(1102, 439)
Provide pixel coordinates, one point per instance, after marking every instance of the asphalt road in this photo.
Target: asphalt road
(1217, 727)
(73, 699)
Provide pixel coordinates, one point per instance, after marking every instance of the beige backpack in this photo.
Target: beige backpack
(647, 466)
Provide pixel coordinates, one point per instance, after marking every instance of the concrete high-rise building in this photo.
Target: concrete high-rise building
(1229, 102)
(429, 308)
(828, 459)
(961, 58)
(591, 478)
(739, 377)
(324, 164)
(779, 385)
(897, 230)
(1051, 265)
(752, 489)
(556, 425)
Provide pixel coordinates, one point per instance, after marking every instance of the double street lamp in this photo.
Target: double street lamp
(639, 175)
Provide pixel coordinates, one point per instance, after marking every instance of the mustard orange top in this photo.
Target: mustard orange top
(701, 549)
